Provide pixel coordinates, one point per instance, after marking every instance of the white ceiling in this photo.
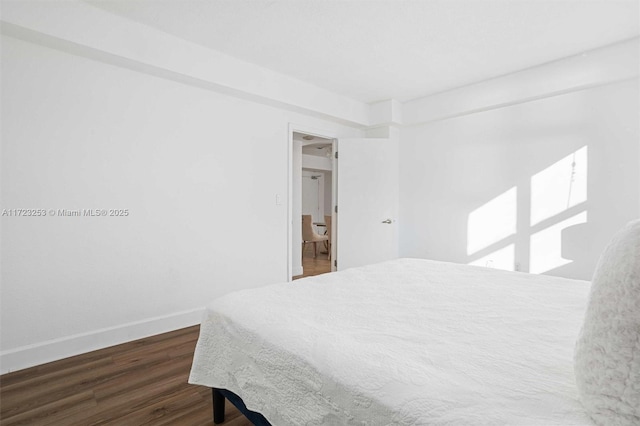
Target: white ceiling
(382, 49)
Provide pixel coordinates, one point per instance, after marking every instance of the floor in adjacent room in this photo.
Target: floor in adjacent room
(314, 265)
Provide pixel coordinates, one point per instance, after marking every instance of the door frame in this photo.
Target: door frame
(321, 133)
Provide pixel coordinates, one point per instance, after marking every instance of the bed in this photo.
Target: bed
(403, 342)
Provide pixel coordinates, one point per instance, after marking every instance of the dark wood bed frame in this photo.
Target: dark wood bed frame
(219, 396)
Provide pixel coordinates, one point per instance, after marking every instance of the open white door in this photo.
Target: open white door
(367, 194)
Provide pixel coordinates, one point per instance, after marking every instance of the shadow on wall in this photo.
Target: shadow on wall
(538, 226)
(540, 186)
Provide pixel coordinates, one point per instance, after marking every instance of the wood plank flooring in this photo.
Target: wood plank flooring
(143, 382)
(314, 266)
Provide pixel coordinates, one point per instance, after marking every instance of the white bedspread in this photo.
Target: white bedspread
(405, 342)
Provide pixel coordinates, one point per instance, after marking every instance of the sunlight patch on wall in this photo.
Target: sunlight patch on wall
(499, 259)
(546, 245)
(559, 187)
(492, 222)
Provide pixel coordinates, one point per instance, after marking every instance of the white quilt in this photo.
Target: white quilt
(405, 342)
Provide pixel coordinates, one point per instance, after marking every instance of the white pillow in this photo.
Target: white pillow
(607, 356)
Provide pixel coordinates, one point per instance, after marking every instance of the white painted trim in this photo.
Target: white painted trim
(56, 349)
(607, 65)
(290, 269)
(334, 203)
(515, 102)
(313, 131)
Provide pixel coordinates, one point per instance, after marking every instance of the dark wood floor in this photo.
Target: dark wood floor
(137, 383)
(143, 382)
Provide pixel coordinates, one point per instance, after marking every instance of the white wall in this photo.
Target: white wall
(117, 123)
(323, 166)
(84, 29)
(313, 198)
(452, 167)
(616, 62)
(325, 188)
(199, 172)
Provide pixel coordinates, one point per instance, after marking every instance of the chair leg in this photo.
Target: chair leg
(315, 249)
(329, 251)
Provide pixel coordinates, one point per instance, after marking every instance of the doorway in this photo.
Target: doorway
(312, 191)
(366, 231)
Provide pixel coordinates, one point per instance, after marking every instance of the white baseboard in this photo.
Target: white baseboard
(53, 350)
